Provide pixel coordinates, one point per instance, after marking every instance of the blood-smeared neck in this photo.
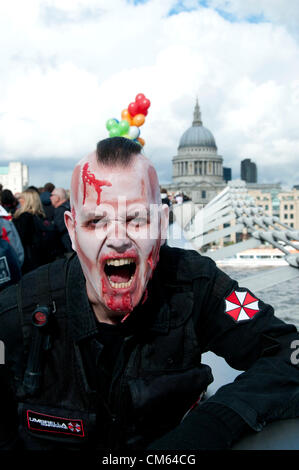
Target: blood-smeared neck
(145, 296)
(153, 257)
(120, 302)
(89, 178)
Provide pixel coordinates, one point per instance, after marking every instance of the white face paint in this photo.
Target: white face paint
(117, 226)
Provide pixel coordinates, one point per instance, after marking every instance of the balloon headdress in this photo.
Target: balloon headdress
(132, 118)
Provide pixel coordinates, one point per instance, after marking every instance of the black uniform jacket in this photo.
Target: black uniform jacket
(128, 386)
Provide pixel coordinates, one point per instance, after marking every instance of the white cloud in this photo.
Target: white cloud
(277, 11)
(67, 66)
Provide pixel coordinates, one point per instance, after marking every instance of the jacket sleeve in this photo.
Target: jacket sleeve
(17, 244)
(8, 412)
(236, 324)
(14, 239)
(11, 338)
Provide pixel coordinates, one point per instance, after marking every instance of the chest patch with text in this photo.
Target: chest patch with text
(40, 422)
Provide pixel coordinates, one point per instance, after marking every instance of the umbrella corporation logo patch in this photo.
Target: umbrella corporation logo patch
(39, 422)
(240, 305)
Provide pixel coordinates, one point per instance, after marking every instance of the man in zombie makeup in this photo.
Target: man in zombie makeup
(117, 225)
(104, 349)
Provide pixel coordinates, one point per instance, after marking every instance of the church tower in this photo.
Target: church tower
(197, 167)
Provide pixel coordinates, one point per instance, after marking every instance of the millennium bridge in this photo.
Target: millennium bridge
(229, 224)
(233, 211)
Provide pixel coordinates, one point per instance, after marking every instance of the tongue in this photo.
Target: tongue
(120, 274)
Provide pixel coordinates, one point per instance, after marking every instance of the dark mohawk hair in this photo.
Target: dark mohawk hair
(117, 151)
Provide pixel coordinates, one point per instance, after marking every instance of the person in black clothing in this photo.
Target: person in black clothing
(165, 200)
(29, 220)
(117, 364)
(10, 269)
(45, 197)
(164, 197)
(9, 201)
(61, 204)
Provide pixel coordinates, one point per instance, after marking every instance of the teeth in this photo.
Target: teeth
(119, 262)
(120, 285)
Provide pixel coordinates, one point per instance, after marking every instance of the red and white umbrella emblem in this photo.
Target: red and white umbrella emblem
(241, 305)
(74, 427)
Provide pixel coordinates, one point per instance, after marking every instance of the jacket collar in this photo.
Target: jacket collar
(80, 314)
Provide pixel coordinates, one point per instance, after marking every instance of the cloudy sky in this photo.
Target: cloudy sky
(67, 66)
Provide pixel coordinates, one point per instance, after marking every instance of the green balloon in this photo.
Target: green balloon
(114, 131)
(124, 127)
(110, 124)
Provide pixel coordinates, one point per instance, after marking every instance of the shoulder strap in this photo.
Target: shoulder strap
(36, 319)
(44, 286)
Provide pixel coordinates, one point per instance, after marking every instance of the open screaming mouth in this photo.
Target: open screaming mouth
(120, 272)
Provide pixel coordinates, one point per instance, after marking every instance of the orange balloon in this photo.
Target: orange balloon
(126, 116)
(141, 141)
(138, 120)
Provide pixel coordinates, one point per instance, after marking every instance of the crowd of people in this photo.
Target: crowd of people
(172, 198)
(32, 230)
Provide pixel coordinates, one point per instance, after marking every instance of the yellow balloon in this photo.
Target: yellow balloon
(138, 120)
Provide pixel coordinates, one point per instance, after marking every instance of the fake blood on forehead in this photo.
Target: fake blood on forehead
(89, 178)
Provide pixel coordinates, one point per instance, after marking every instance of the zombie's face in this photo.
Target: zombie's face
(117, 226)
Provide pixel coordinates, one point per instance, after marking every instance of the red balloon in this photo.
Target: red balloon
(143, 105)
(140, 96)
(146, 103)
(133, 109)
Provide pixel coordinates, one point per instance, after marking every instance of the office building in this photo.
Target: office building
(248, 171)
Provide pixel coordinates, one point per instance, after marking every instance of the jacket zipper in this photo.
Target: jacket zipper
(115, 395)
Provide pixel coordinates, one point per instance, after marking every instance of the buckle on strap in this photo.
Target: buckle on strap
(41, 341)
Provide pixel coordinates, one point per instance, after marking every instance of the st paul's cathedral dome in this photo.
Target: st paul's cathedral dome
(197, 168)
(197, 135)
